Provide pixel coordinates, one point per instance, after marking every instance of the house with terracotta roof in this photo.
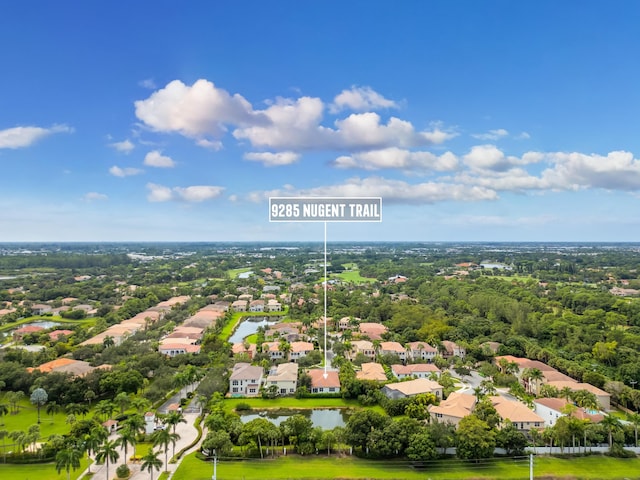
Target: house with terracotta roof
(452, 349)
(273, 306)
(19, 333)
(412, 388)
(284, 377)
(421, 351)
(372, 330)
(550, 410)
(56, 334)
(372, 371)
(256, 306)
(299, 350)
(273, 349)
(393, 348)
(240, 348)
(453, 409)
(320, 384)
(245, 380)
(76, 368)
(521, 416)
(239, 306)
(173, 349)
(364, 347)
(40, 308)
(604, 398)
(415, 370)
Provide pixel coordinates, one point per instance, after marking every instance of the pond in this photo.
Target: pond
(245, 274)
(249, 326)
(326, 418)
(43, 324)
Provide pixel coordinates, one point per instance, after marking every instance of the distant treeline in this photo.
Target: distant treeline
(62, 260)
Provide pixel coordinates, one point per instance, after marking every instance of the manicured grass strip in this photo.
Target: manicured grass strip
(318, 467)
(39, 471)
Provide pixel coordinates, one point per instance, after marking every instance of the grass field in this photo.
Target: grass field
(49, 425)
(352, 276)
(319, 467)
(39, 471)
(233, 273)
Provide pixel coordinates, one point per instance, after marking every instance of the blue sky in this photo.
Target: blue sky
(168, 120)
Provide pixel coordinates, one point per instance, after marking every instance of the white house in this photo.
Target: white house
(245, 380)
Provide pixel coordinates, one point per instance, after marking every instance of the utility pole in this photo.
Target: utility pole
(530, 466)
(215, 467)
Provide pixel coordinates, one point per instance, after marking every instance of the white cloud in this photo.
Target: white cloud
(198, 193)
(94, 196)
(148, 83)
(398, 159)
(193, 194)
(360, 99)
(156, 159)
(210, 144)
(496, 134)
(124, 172)
(194, 111)
(125, 146)
(20, 137)
(394, 191)
(270, 159)
(205, 113)
(523, 136)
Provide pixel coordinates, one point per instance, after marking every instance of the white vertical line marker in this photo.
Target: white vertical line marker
(325, 300)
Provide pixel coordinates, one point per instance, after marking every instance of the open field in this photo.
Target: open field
(39, 471)
(233, 273)
(352, 276)
(320, 467)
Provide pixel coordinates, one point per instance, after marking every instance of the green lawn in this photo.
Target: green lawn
(319, 467)
(29, 416)
(352, 276)
(39, 471)
(233, 273)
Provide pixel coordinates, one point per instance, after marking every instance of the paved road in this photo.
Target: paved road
(187, 433)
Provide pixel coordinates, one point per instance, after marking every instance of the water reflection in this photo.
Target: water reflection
(249, 326)
(326, 418)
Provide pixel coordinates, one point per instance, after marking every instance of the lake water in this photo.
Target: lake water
(249, 326)
(499, 266)
(7, 278)
(43, 324)
(245, 274)
(327, 418)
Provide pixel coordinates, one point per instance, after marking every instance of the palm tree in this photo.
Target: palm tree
(105, 408)
(127, 436)
(4, 434)
(4, 409)
(532, 375)
(108, 452)
(141, 405)
(94, 439)
(610, 423)
(151, 462)
(173, 418)
(634, 418)
(163, 437)
(123, 401)
(52, 409)
(135, 422)
(68, 459)
(39, 397)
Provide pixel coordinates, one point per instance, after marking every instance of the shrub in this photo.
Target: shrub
(242, 407)
(123, 471)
